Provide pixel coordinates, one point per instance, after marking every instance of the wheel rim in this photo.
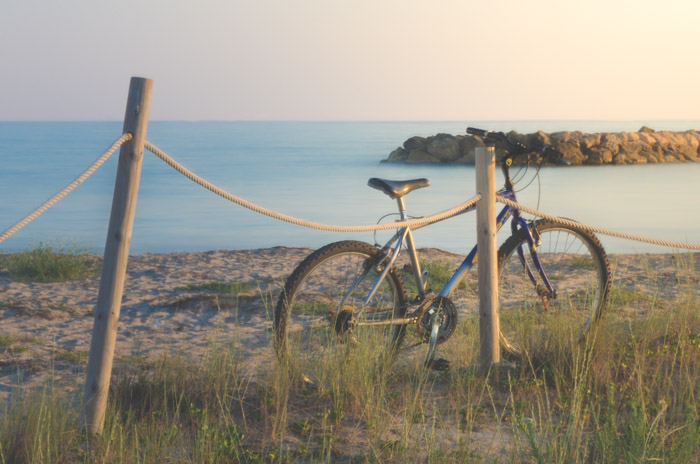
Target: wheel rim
(578, 275)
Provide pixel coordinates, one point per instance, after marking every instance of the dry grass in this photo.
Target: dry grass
(628, 395)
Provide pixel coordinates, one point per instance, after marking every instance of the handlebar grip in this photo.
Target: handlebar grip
(479, 132)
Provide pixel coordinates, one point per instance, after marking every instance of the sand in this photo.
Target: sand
(46, 327)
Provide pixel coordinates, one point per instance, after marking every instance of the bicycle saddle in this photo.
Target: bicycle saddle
(397, 188)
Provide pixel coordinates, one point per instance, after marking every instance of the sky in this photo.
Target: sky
(352, 59)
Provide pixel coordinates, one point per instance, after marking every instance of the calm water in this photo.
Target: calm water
(316, 171)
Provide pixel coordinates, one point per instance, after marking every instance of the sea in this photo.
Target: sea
(316, 171)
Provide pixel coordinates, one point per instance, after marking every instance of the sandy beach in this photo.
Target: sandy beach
(47, 326)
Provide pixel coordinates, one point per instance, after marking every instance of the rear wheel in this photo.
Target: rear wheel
(577, 267)
(320, 323)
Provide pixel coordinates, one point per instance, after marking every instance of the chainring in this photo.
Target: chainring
(344, 323)
(447, 316)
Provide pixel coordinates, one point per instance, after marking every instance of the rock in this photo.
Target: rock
(646, 138)
(600, 156)
(444, 147)
(469, 158)
(565, 136)
(633, 137)
(397, 155)
(538, 139)
(693, 139)
(468, 148)
(694, 158)
(413, 143)
(419, 156)
(572, 152)
(589, 141)
(630, 147)
(644, 146)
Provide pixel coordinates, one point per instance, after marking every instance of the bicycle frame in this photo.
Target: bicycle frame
(393, 247)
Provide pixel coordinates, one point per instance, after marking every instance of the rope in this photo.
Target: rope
(597, 230)
(69, 188)
(413, 223)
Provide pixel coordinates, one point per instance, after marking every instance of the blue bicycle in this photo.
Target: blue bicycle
(350, 296)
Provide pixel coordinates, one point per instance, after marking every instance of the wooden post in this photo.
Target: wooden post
(109, 298)
(489, 330)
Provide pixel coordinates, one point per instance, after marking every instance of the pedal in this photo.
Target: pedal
(440, 364)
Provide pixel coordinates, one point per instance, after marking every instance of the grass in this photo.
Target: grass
(627, 395)
(51, 262)
(229, 288)
(15, 343)
(439, 273)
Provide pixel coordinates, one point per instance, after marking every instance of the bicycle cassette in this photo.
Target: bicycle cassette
(447, 318)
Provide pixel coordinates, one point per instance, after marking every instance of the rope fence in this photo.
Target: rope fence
(413, 223)
(69, 188)
(597, 230)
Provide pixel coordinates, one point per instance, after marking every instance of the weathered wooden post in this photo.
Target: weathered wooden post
(109, 298)
(489, 330)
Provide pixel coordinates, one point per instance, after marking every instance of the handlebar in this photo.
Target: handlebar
(516, 148)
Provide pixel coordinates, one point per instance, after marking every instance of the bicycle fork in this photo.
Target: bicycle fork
(547, 292)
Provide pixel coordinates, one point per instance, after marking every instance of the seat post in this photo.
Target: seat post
(402, 208)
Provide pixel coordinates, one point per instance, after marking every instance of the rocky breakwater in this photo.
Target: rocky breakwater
(644, 146)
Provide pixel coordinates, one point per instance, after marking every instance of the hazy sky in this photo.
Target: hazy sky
(352, 59)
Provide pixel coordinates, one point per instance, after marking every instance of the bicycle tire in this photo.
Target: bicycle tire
(305, 334)
(576, 264)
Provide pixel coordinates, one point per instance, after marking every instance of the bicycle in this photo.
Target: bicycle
(350, 296)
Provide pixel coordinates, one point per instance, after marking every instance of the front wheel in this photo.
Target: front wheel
(577, 267)
(321, 317)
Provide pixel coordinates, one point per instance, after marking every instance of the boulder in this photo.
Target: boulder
(630, 147)
(538, 138)
(641, 147)
(600, 155)
(469, 158)
(419, 156)
(468, 149)
(413, 143)
(400, 154)
(444, 147)
(572, 152)
(589, 141)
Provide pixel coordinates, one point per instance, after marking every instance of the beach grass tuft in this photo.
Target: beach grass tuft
(52, 262)
(227, 288)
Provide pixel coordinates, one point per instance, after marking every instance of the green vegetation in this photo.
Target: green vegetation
(629, 394)
(75, 357)
(51, 262)
(15, 344)
(6, 341)
(229, 288)
(583, 263)
(439, 273)
(625, 296)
